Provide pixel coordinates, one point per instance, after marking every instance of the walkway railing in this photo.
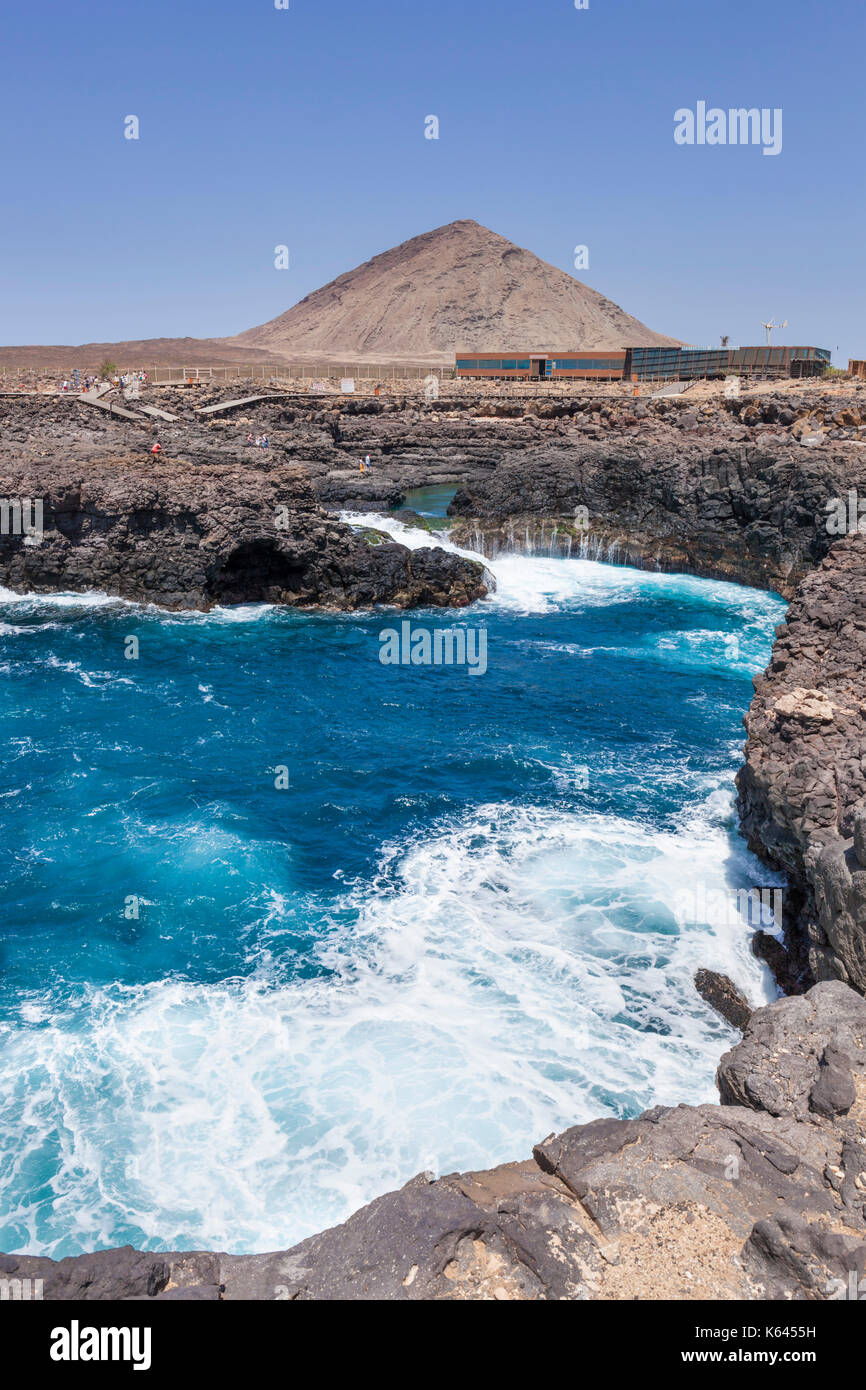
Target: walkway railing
(257, 371)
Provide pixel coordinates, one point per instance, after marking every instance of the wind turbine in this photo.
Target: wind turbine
(770, 326)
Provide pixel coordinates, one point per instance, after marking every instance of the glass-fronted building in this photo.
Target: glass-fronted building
(686, 364)
(597, 365)
(644, 364)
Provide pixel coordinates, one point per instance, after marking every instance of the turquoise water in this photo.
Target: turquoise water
(232, 1012)
(431, 502)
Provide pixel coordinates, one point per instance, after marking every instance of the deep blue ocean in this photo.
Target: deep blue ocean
(231, 1012)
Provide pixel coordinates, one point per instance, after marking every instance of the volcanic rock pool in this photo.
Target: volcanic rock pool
(285, 926)
(431, 502)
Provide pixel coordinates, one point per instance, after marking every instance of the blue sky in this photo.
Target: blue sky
(305, 127)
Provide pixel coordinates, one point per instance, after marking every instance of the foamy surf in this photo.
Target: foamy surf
(461, 927)
(537, 583)
(518, 972)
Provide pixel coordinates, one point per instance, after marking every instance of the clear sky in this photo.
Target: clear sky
(305, 127)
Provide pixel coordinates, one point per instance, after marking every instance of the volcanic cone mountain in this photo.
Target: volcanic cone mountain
(461, 287)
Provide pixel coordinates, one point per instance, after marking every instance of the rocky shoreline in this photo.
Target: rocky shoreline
(667, 487)
(760, 1197)
(181, 537)
(734, 490)
(802, 789)
(725, 489)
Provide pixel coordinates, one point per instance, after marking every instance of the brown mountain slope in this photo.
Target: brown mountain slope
(138, 352)
(461, 287)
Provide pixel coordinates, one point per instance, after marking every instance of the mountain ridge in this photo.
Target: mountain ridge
(459, 287)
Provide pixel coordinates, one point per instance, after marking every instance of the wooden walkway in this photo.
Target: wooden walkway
(94, 398)
(109, 406)
(244, 400)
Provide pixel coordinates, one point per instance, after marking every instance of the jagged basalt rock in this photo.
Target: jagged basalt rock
(716, 488)
(802, 791)
(752, 511)
(722, 995)
(787, 1048)
(192, 537)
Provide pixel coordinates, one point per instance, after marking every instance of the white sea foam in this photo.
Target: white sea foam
(537, 584)
(236, 613)
(516, 972)
(508, 973)
(40, 606)
(85, 600)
